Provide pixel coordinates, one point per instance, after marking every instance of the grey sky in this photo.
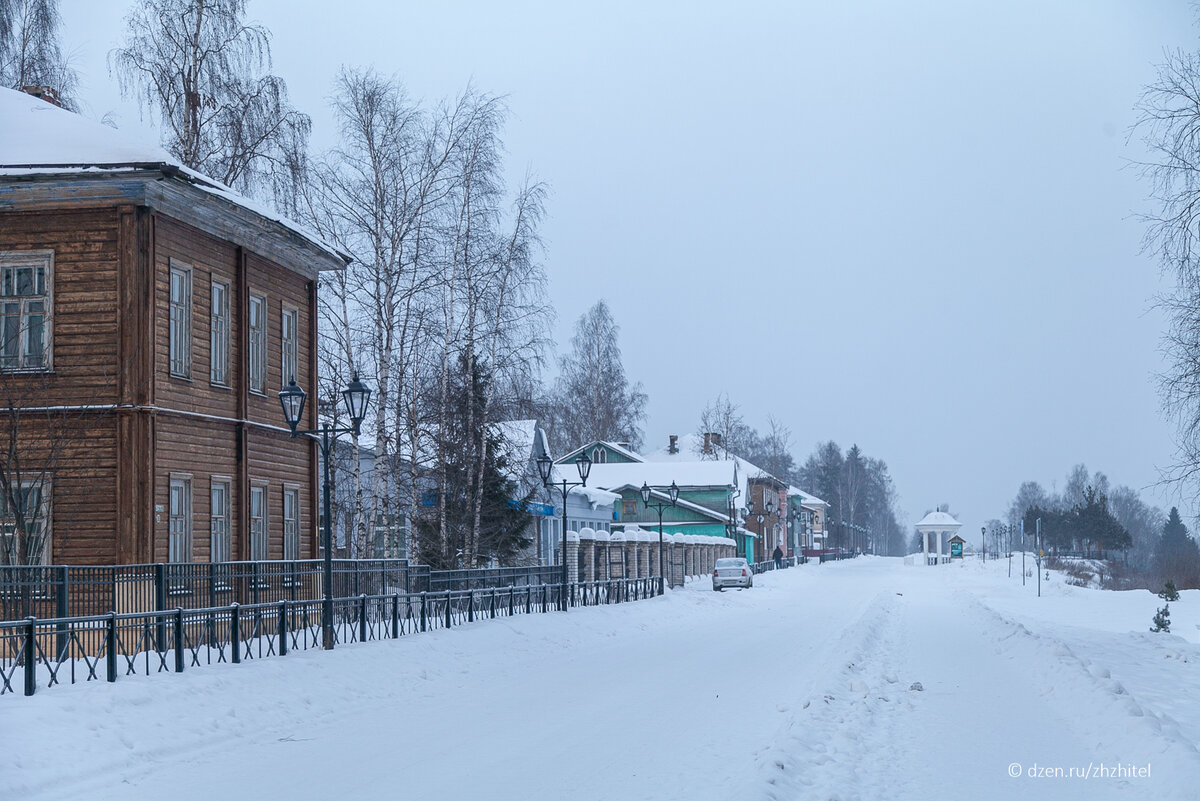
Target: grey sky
(906, 225)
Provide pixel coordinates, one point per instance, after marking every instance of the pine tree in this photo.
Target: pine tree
(1162, 620)
(1169, 592)
(1177, 554)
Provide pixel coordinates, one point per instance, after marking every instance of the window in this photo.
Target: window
(599, 455)
(219, 353)
(258, 523)
(219, 520)
(179, 540)
(181, 320)
(32, 546)
(258, 344)
(291, 522)
(289, 336)
(628, 508)
(25, 281)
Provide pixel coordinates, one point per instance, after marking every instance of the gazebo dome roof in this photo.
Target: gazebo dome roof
(938, 520)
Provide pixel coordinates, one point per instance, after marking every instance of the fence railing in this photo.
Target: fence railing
(786, 562)
(68, 650)
(80, 590)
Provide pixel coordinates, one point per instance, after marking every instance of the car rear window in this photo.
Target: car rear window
(730, 562)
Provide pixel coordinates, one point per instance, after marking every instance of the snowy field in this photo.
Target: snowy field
(800, 688)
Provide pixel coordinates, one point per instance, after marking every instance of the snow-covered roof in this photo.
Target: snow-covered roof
(626, 452)
(516, 440)
(39, 138)
(805, 498)
(722, 473)
(935, 519)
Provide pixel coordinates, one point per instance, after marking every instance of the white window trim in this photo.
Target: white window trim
(256, 381)
(219, 342)
(46, 258)
(185, 357)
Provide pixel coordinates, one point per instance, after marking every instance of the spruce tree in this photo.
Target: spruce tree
(1178, 555)
(1169, 592)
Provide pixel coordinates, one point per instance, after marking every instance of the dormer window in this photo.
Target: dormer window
(599, 455)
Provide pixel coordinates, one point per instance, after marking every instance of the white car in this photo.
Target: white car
(732, 572)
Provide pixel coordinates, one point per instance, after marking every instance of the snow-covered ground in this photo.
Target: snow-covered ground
(800, 688)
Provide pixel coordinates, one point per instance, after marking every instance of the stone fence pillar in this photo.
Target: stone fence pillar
(572, 557)
(587, 554)
(616, 555)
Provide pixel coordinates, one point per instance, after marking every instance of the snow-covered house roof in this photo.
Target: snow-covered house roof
(633, 456)
(806, 499)
(39, 140)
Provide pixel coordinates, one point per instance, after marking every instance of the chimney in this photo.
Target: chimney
(707, 442)
(47, 93)
(674, 446)
(716, 441)
(624, 445)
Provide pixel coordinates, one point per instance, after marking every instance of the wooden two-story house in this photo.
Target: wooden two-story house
(148, 318)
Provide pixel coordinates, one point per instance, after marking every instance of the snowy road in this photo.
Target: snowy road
(799, 688)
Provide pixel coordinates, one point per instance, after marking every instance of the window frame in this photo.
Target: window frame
(220, 541)
(220, 334)
(43, 259)
(291, 537)
(259, 539)
(185, 517)
(45, 485)
(289, 349)
(256, 346)
(179, 351)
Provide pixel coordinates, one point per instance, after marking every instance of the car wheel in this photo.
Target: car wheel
(749, 583)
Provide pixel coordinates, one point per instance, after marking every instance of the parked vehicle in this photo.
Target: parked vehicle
(732, 572)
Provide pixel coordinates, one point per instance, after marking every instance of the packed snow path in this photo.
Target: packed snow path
(797, 689)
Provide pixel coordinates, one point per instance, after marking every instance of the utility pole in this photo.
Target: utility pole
(1037, 538)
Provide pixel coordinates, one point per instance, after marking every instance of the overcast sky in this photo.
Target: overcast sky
(904, 225)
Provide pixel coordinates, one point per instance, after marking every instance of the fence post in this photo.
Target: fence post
(511, 590)
(493, 609)
(61, 610)
(110, 647)
(471, 606)
(178, 639)
(449, 601)
(282, 623)
(254, 582)
(424, 610)
(395, 615)
(30, 656)
(160, 604)
(235, 634)
(362, 617)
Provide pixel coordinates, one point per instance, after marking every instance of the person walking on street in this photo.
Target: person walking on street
(778, 557)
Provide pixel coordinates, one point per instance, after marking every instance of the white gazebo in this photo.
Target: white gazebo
(936, 529)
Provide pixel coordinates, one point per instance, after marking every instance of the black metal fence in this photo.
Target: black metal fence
(70, 650)
(80, 590)
(786, 562)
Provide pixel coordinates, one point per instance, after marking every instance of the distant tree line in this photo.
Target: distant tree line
(1093, 518)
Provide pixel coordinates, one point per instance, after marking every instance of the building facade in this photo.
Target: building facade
(148, 319)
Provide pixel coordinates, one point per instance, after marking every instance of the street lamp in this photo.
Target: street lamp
(545, 467)
(760, 516)
(796, 516)
(673, 494)
(292, 398)
(983, 536)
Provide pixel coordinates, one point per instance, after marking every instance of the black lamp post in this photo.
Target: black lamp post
(761, 516)
(673, 494)
(983, 536)
(292, 400)
(545, 468)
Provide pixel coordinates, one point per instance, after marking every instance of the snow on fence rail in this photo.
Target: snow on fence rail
(88, 648)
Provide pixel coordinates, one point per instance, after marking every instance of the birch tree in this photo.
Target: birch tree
(201, 69)
(30, 49)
